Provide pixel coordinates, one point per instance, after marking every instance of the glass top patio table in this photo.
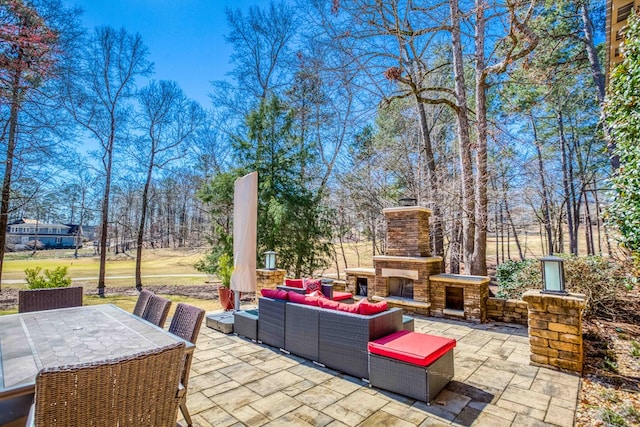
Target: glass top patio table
(41, 339)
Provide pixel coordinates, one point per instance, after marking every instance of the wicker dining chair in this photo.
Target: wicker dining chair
(157, 310)
(49, 298)
(186, 324)
(126, 391)
(141, 303)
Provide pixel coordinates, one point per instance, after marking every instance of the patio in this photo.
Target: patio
(238, 382)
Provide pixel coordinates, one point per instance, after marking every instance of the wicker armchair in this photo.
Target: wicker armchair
(186, 324)
(141, 303)
(127, 391)
(157, 310)
(49, 298)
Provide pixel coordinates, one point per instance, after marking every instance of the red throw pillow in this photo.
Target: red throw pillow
(327, 303)
(275, 293)
(349, 308)
(368, 308)
(303, 299)
(312, 285)
(294, 283)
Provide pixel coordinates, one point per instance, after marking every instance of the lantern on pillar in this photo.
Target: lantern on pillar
(270, 260)
(553, 275)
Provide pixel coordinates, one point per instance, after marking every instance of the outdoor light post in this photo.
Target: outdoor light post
(553, 275)
(270, 260)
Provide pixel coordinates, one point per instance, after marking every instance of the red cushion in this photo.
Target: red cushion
(303, 299)
(349, 308)
(412, 347)
(368, 308)
(275, 293)
(339, 296)
(294, 283)
(327, 303)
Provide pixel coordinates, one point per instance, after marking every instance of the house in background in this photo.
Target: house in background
(29, 233)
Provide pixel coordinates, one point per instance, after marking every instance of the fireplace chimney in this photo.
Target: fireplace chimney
(408, 231)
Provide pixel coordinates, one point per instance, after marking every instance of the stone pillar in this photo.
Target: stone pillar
(269, 279)
(555, 330)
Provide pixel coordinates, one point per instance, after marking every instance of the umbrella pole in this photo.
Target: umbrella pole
(236, 302)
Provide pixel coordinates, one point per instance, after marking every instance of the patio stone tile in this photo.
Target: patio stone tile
(436, 411)
(525, 421)
(219, 388)
(546, 374)
(554, 389)
(494, 410)
(362, 403)
(406, 412)
(488, 376)
(319, 397)
(205, 381)
(484, 394)
(532, 398)
(497, 348)
(344, 385)
(274, 383)
(520, 357)
(467, 416)
(298, 388)
(344, 415)
(249, 416)
(433, 422)
(275, 405)
(560, 416)
(198, 402)
(382, 418)
(235, 398)
(312, 372)
(211, 365)
(522, 381)
(451, 401)
(213, 417)
(490, 420)
(503, 365)
(288, 420)
(311, 416)
(568, 404)
(243, 372)
(521, 409)
(277, 364)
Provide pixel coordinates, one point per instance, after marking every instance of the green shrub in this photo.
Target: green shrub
(603, 281)
(49, 279)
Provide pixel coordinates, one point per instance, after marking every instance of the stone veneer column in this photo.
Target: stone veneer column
(555, 330)
(408, 231)
(269, 279)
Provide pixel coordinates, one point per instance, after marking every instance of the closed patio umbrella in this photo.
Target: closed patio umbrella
(245, 218)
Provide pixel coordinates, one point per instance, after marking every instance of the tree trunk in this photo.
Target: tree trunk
(479, 259)
(567, 187)
(8, 169)
(546, 214)
(464, 141)
(598, 79)
(104, 222)
(143, 218)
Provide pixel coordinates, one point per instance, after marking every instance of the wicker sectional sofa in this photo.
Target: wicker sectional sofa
(335, 339)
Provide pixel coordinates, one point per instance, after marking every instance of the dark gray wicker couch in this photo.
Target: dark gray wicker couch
(333, 338)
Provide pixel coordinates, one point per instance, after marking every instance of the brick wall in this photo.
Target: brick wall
(507, 310)
(555, 330)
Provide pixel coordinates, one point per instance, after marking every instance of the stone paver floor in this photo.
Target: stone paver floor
(236, 382)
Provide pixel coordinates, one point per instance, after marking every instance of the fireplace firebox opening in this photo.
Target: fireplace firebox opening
(454, 298)
(361, 286)
(400, 287)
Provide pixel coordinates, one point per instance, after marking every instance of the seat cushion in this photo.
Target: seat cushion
(339, 296)
(412, 347)
(274, 293)
(294, 283)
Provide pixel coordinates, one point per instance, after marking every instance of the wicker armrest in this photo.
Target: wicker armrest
(292, 289)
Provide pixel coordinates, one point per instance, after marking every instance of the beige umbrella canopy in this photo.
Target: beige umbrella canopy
(245, 220)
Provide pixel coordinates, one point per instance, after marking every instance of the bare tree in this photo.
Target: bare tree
(113, 59)
(168, 119)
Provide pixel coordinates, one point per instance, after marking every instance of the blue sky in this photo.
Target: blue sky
(185, 37)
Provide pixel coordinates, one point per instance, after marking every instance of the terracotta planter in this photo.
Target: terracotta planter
(226, 298)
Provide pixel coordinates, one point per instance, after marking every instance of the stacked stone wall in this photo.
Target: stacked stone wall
(269, 279)
(555, 330)
(476, 293)
(408, 231)
(507, 310)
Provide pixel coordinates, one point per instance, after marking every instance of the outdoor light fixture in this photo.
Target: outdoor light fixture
(553, 275)
(408, 201)
(270, 260)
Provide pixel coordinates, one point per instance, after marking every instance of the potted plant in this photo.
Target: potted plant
(224, 271)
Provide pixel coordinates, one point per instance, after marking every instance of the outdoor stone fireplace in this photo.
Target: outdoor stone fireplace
(407, 276)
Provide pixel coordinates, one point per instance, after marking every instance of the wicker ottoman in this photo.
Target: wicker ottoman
(412, 364)
(245, 323)
(407, 323)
